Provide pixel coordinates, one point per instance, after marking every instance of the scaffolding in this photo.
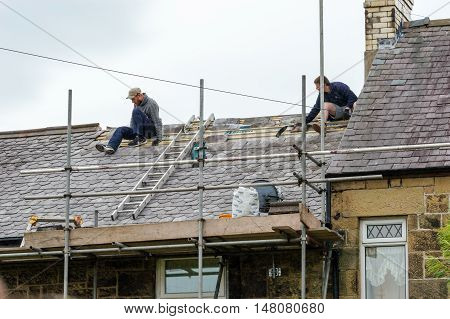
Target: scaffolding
(291, 239)
(199, 244)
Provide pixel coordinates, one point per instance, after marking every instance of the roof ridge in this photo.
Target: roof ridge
(53, 130)
(426, 22)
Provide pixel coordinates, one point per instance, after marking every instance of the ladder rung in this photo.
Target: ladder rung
(134, 196)
(133, 203)
(144, 184)
(151, 180)
(127, 211)
(140, 196)
(174, 153)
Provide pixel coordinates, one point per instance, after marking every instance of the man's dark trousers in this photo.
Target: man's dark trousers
(141, 125)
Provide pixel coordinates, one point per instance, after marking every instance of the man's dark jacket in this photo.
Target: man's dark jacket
(340, 94)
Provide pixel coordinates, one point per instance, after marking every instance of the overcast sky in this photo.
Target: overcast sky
(254, 47)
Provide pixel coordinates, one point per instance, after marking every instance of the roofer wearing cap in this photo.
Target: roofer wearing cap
(145, 123)
(338, 104)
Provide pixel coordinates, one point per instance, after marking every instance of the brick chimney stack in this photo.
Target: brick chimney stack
(383, 18)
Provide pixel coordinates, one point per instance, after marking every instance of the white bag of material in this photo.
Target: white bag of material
(245, 202)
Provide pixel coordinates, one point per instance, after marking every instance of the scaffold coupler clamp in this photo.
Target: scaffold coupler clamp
(299, 151)
(299, 178)
(33, 220)
(78, 221)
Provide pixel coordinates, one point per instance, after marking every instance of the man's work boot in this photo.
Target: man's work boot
(105, 148)
(155, 142)
(138, 141)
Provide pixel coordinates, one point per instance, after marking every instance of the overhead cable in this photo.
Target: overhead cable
(146, 77)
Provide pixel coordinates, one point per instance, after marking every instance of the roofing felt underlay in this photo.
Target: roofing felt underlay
(47, 148)
(405, 100)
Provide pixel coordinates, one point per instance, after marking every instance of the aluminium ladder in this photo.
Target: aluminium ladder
(156, 176)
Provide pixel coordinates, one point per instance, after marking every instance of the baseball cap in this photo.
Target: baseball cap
(133, 92)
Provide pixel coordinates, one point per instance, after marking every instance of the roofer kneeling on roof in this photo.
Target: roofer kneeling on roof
(339, 101)
(145, 123)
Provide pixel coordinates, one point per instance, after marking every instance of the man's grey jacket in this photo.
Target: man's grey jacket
(151, 109)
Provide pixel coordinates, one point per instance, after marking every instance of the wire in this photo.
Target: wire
(435, 11)
(336, 77)
(108, 71)
(77, 52)
(60, 41)
(146, 77)
(439, 9)
(358, 62)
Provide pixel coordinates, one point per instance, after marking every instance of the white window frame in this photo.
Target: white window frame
(161, 282)
(380, 242)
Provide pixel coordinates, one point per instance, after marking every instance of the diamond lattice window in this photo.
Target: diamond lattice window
(384, 231)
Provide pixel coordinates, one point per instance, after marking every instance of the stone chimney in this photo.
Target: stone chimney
(383, 19)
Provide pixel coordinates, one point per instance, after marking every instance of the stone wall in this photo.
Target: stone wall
(425, 203)
(117, 278)
(135, 277)
(255, 282)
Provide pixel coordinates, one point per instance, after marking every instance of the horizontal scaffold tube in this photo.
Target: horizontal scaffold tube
(239, 158)
(150, 248)
(206, 188)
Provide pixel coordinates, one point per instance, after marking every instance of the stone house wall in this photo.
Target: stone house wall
(425, 203)
(125, 277)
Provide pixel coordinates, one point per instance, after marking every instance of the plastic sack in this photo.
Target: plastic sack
(245, 202)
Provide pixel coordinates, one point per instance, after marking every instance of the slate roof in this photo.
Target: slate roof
(47, 148)
(405, 100)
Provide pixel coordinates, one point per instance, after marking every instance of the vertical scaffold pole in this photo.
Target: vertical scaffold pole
(303, 239)
(322, 137)
(322, 100)
(68, 172)
(200, 193)
(95, 275)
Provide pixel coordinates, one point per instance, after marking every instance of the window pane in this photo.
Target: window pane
(385, 272)
(182, 275)
(384, 231)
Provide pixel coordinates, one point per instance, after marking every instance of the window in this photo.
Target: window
(384, 260)
(178, 278)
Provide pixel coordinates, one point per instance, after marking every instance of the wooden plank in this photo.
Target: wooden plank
(324, 234)
(307, 218)
(226, 227)
(286, 230)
